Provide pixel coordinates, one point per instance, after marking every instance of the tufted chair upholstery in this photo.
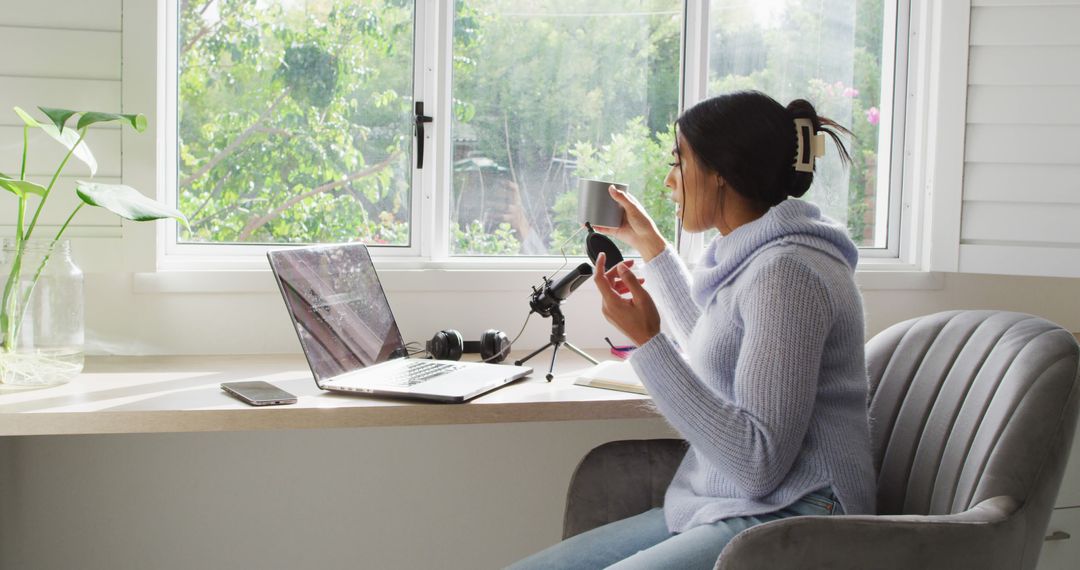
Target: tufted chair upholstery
(972, 414)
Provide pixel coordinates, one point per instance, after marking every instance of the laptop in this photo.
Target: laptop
(350, 338)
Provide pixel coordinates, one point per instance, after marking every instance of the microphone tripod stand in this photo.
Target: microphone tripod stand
(558, 338)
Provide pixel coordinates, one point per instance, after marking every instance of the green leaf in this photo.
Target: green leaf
(58, 116)
(30, 121)
(21, 187)
(137, 121)
(67, 138)
(125, 202)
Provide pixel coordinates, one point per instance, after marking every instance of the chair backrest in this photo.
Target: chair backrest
(968, 405)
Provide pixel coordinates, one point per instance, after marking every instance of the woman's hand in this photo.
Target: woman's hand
(637, 316)
(637, 229)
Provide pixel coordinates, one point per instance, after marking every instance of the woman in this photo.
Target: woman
(772, 392)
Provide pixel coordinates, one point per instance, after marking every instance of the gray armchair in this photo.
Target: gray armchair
(972, 416)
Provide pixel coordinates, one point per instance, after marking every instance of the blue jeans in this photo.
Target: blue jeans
(644, 542)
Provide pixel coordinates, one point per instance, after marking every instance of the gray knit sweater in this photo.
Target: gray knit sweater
(772, 396)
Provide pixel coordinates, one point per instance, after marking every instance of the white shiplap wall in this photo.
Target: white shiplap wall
(1021, 195)
(59, 53)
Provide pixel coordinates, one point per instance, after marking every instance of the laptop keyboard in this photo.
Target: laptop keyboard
(418, 371)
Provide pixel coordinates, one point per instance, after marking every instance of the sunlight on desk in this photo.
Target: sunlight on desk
(145, 394)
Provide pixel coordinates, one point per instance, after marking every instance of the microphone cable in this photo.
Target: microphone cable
(562, 250)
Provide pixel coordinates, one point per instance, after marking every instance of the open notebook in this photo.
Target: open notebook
(612, 375)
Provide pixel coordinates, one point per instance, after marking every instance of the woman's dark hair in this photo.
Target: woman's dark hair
(750, 139)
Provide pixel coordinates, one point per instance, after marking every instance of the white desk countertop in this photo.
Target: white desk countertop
(149, 394)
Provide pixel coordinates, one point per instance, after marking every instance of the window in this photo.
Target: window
(295, 118)
(829, 52)
(546, 93)
(294, 121)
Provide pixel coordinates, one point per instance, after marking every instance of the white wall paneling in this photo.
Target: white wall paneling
(1058, 183)
(1015, 3)
(66, 54)
(1021, 223)
(1025, 65)
(1026, 25)
(1021, 198)
(98, 15)
(1024, 144)
(62, 53)
(76, 94)
(1024, 104)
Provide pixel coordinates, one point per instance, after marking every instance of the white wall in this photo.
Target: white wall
(171, 501)
(459, 497)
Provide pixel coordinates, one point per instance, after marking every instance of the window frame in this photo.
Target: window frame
(429, 225)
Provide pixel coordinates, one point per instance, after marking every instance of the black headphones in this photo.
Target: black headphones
(493, 346)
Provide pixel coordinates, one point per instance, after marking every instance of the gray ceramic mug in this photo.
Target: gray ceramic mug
(595, 204)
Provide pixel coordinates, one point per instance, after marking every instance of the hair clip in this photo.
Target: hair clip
(809, 145)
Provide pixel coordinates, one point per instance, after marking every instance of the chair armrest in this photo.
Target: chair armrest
(977, 538)
(620, 479)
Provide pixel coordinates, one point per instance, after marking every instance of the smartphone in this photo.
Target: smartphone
(258, 393)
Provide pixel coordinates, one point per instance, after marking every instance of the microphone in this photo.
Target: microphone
(548, 297)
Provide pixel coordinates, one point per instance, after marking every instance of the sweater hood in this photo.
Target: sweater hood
(792, 221)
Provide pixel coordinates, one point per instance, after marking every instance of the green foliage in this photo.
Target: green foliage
(475, 240)
(122, 200)
(21, 188)
(569, 76)
(634, 157)
(294, 121)
(310, 74)
(58, 116)
(295, 118)
(72, 140)
(125, 201)
(781, 60)
(137, 121)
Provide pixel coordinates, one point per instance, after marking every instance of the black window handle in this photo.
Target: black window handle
(421, 118)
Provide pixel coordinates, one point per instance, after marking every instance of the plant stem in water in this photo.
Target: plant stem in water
(7, 308)
(41, 267)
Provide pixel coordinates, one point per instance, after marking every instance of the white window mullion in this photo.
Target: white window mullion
(423, 188)
(167, 81)
(431, 76)
(442, 60)
(894, 223)
(695, 64)
(693, 88)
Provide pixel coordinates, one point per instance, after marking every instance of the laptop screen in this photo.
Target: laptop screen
(337, 306)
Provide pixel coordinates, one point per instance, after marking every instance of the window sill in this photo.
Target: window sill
(479, 276)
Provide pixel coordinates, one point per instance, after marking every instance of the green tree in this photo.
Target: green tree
(826, 51)
(294, 121)
(531, 84)
(633, 156)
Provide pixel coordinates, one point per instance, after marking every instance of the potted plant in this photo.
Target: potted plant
(41, 327)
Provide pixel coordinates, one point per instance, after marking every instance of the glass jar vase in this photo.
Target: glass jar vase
(41, 314)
